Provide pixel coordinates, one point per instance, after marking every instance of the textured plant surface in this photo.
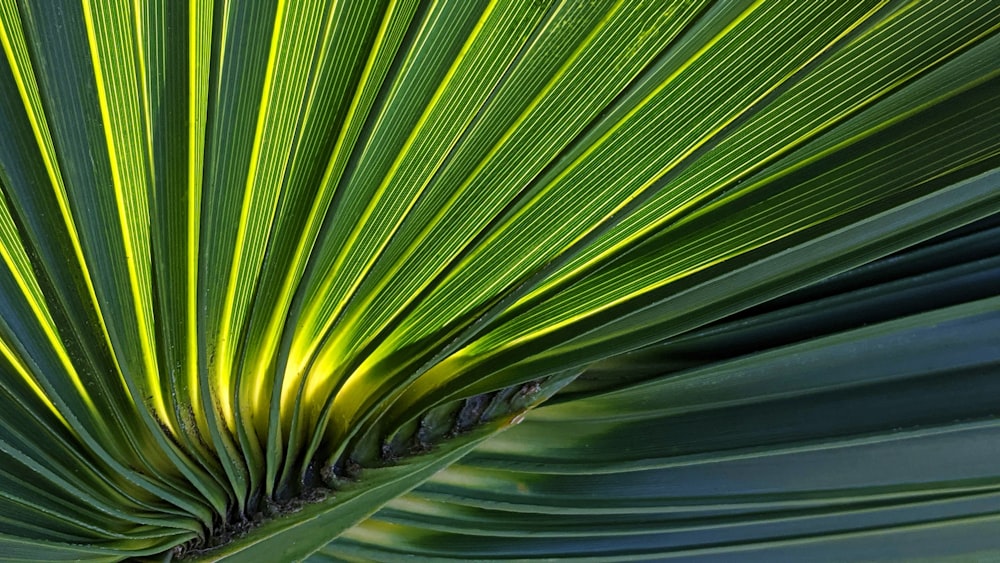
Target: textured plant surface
(274, 275)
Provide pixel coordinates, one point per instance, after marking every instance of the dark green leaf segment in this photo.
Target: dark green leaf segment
(266, 266)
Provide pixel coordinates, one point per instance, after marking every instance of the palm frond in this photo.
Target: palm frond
(266, 266)
(867, 442)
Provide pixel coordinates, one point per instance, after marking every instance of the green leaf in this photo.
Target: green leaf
(838, 446)
(265, 266)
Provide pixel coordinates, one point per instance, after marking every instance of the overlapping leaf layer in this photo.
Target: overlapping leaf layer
(267, 265)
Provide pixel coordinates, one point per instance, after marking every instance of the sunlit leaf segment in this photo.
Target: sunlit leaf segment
(267, 265)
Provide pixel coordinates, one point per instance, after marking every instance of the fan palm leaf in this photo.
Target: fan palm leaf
(276, 276)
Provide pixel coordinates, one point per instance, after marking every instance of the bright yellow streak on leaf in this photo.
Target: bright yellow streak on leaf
(36, 301)
(621, 123)
(139, 299)
(224, 366)
(6, 352)
(30, 286)
(33, 295)
(694, 201)
(197, 96)
(339, 343)
(300, 354)
(140, 43)
(318, 386)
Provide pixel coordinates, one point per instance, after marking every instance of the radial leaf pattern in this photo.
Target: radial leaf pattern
(266, 266)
